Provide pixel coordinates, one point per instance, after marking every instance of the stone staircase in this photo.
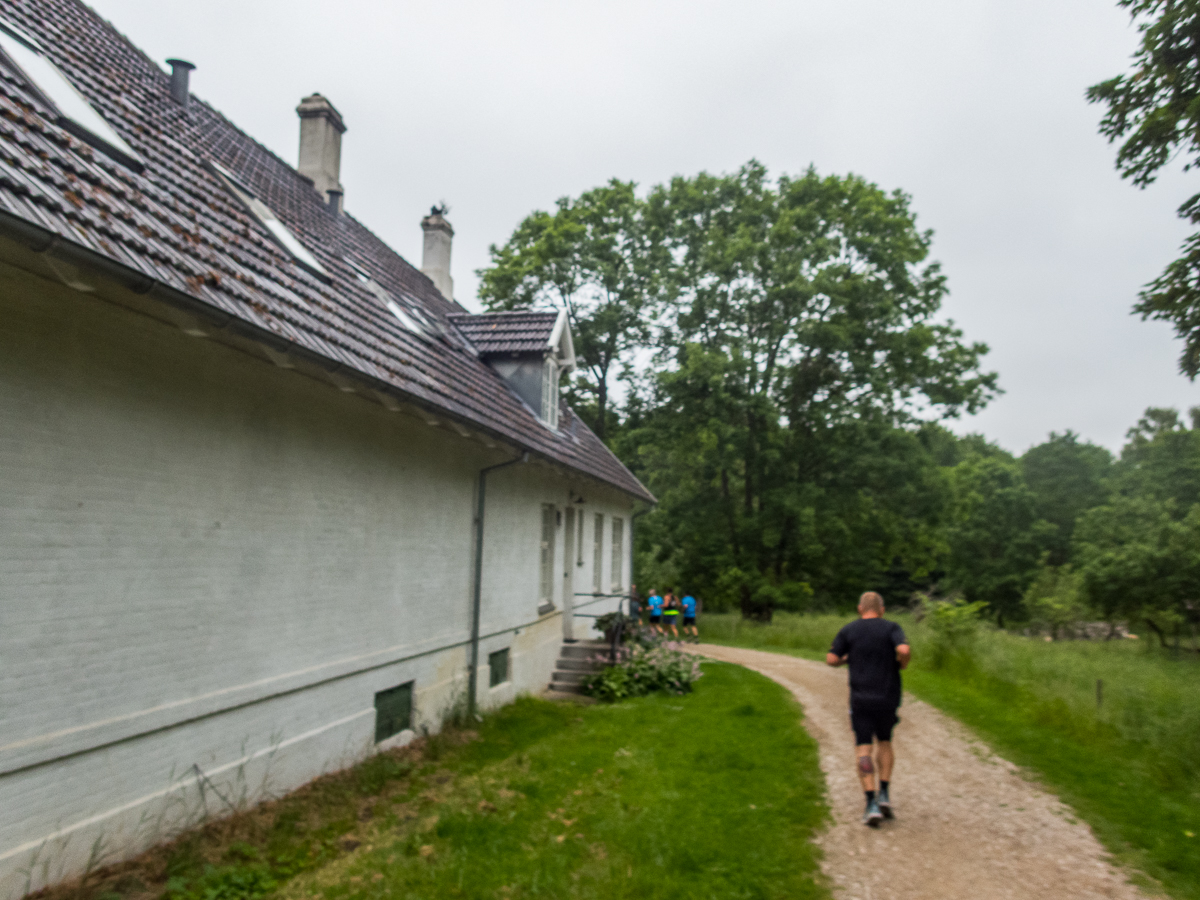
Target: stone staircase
(576, 662)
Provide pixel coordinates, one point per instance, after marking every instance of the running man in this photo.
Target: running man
(671, 609)
(656, 607)
(876, 650)
(689, 616)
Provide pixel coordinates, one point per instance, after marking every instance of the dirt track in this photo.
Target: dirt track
(967, 824)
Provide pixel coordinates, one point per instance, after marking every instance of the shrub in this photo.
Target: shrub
(643, 670)
(955, 625)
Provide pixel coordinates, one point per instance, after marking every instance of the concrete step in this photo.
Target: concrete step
(580, 665)
(584, 649)
(569, 677)
(560, 687)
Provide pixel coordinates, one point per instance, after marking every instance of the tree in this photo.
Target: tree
(801, 319)
(996, 538)
(1066, 477)
(597, 257)
(1156, 110)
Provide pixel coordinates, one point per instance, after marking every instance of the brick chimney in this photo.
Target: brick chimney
(435, 261)
(321, 129)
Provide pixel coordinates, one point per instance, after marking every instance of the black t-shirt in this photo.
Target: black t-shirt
(874, 670)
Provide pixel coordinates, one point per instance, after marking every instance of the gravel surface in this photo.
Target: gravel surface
(967, 825)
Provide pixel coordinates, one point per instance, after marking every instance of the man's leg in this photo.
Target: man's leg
(866, 767)
(886, 758)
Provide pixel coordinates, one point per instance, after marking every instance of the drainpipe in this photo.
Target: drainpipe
(473, 674)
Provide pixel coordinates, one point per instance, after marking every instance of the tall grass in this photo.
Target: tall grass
(1128, 759)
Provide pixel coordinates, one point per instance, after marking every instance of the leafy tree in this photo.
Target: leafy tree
(1155, 109)
(598, 258)
(1161, 459)
(801, 321)
(1066, 477)
(996, 538)
(1055, 599)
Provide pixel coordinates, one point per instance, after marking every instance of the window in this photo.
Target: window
(618, 556)
(546, 582)
(269, 220)
(407, 319)
(498, 667)
(550, 392)
(598, 555)
(24, 56)
(393, 711)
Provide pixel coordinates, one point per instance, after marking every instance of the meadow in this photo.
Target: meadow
(1124, 753)
(712, 794)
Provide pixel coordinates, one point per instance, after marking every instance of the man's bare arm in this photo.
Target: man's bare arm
(903, 655)
(832, 659)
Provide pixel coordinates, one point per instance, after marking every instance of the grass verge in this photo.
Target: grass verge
(715, 794)
(1129, 765)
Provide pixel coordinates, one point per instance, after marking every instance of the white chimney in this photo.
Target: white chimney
(321, 129)
(435, 261)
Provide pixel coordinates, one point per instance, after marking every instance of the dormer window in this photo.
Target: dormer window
(22, 55)
(529, 349)
(269, 220)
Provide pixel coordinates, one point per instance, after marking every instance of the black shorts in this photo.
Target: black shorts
(689, 620)
(872, 723)
(654, 620)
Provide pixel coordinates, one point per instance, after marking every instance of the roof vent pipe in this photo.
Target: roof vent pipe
(335, 201)
(180, 70)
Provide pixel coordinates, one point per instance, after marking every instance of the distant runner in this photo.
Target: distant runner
(656, 605)
(876, 650)
(689, 616)
(671, 608)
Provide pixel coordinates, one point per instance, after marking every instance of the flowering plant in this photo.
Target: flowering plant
(640, 670)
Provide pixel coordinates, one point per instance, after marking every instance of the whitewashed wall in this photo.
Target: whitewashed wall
(206, 561)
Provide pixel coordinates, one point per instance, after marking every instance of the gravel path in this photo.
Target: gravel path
(967, 824)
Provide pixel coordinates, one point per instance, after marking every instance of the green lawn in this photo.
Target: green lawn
(1130, 767)
(711, 795)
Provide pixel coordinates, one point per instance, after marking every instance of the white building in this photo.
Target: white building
(242, 463)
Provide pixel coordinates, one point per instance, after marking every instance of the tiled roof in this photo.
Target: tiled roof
(507, 332)
(176, 224)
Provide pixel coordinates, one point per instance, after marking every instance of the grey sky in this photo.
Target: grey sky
(974, 108)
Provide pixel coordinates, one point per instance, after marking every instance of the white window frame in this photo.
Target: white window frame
(546, 579)
(618, 555)
(598, 554)
(550, 378)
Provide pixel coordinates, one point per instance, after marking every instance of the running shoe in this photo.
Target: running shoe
(872, 816)
(885, 804)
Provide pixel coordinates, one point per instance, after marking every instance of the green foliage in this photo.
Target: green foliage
(642, 670)
(1156, 110)
(1056, 601)
(954, 625)
(996, 539)
(1066, 477)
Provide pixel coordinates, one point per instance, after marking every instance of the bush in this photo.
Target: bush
(1055, 601)
(643, 670)
(955, 625)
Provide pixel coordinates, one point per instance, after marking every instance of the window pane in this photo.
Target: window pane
(546, 580)
(598, 555)
(498, 666)
(618, 555)
(393, 711)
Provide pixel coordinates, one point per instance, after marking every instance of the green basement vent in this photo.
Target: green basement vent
(498, 665)
(393, 711)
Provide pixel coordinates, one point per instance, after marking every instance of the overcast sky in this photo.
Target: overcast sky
(974, 108)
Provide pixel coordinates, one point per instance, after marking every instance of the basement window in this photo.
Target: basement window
(393, 711)
(24, 57)
(269, 220)
(498, 667)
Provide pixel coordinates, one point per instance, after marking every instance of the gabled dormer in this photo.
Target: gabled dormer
(530, 350)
